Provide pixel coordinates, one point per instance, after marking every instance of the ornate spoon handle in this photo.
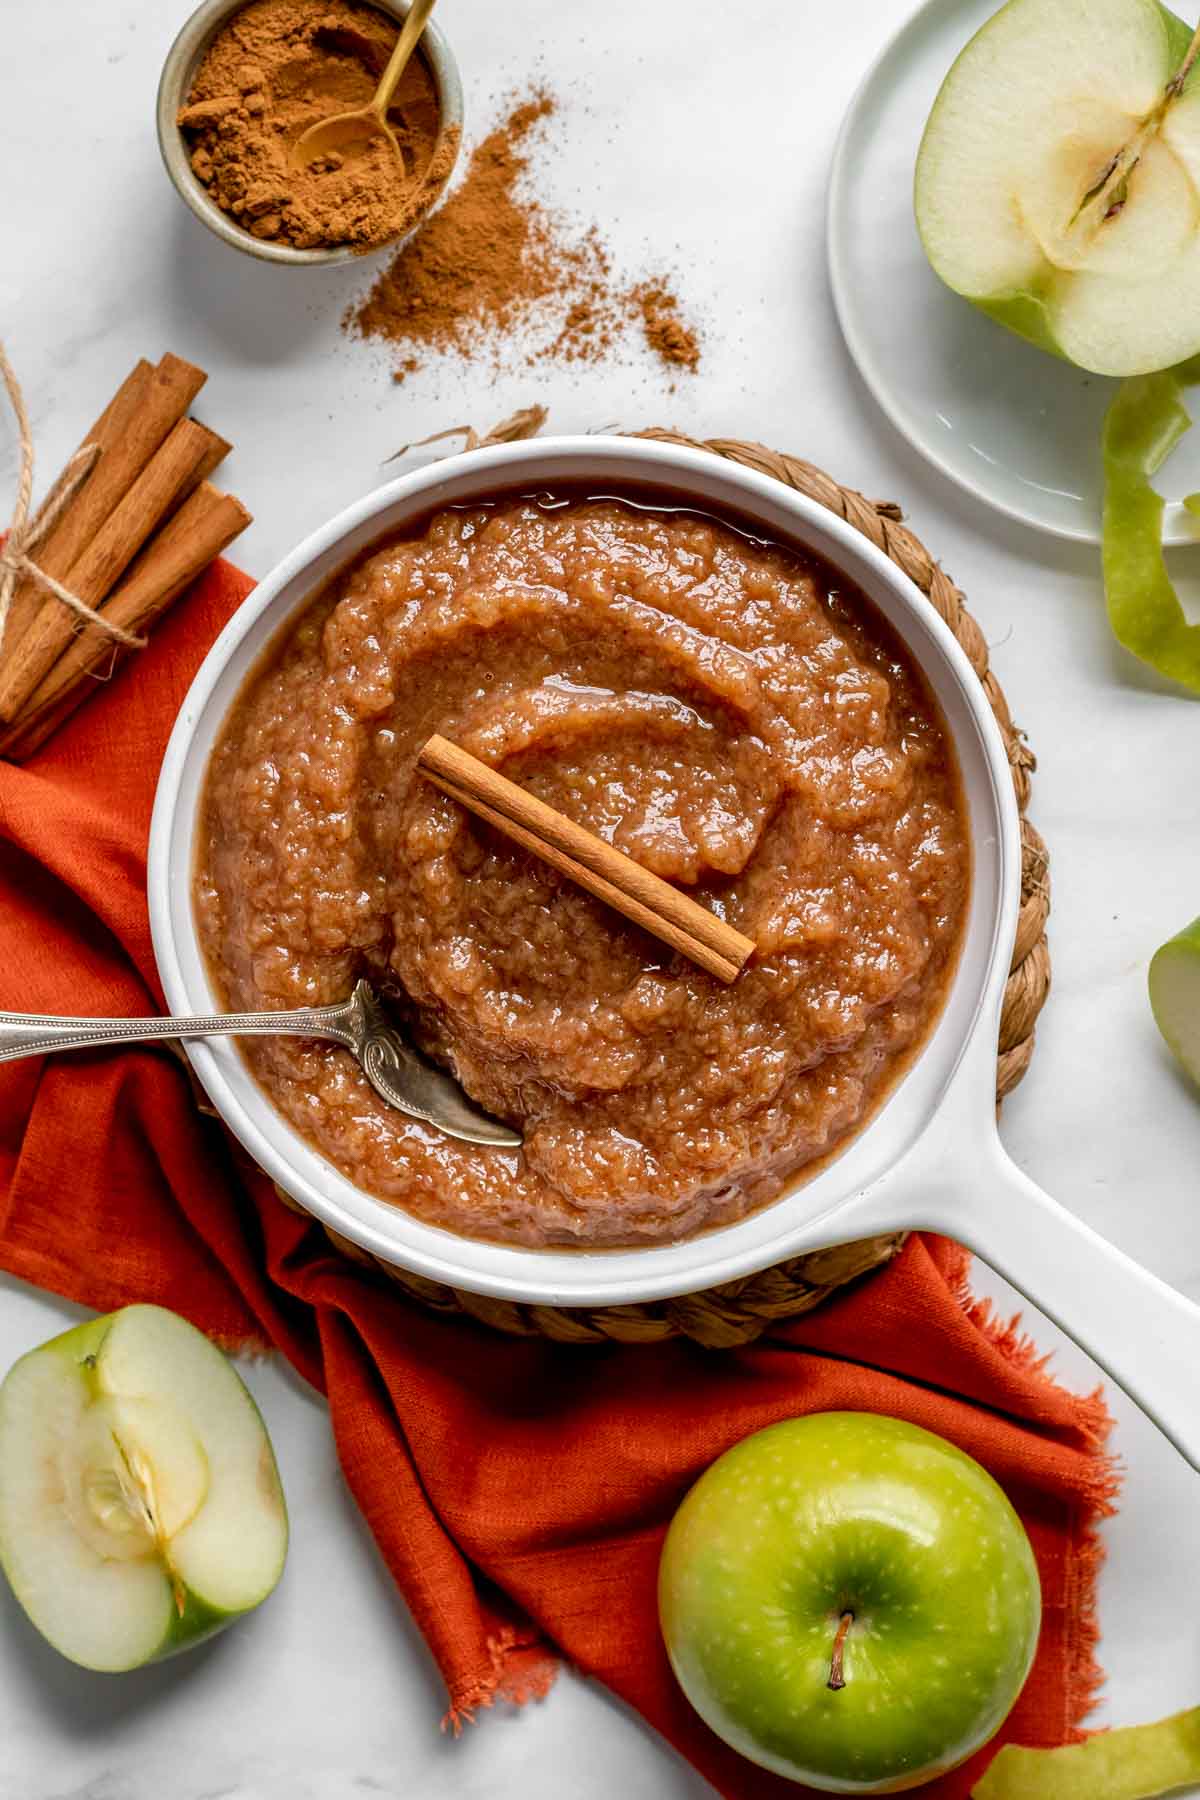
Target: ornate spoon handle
(401, 1077)
(36, 1034)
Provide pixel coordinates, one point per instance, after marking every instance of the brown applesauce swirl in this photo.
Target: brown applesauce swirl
(734, 716)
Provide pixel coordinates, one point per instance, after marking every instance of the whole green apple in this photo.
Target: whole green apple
(850, 1601)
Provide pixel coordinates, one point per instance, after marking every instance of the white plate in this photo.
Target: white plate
(1014, 426)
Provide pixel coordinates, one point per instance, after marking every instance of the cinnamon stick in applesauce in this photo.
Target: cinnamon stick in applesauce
(205, 524)
(190, 452)
(149, 402)
(639, 895)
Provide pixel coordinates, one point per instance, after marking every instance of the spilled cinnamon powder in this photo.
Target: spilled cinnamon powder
(493, 260)
(665, 331)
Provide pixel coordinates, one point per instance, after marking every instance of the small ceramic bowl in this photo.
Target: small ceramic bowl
(183, 59)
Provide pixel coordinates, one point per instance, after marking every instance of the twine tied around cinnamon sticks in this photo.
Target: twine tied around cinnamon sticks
(25, 533)
(128, 526)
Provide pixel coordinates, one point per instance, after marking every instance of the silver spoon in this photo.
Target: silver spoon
(404, 1079)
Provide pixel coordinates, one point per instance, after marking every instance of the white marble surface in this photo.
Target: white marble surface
(666, 122)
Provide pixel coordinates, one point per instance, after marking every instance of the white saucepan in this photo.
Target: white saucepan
(931, 1158)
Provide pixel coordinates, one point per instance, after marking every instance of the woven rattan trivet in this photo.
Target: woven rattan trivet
(739, 1311)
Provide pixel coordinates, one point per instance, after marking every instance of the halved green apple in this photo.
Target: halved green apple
(1058, 179)
(140, 1503)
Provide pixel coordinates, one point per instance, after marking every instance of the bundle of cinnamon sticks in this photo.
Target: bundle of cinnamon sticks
(138, 530)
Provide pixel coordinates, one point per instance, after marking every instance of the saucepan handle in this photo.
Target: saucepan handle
(1143, 1333)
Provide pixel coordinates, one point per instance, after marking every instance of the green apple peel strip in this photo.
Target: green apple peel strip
(1136, 1763)
(1175, 996)
(1146, 420)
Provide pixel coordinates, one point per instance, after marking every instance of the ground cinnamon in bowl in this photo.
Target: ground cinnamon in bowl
(274, 69)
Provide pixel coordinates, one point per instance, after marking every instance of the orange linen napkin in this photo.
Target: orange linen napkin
(113, 1188)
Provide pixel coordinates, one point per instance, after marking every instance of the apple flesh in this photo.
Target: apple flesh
(1056, 181)
(850, 1601)
(140, 1503)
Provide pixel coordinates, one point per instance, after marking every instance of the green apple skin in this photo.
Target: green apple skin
(1029, 314)
(1025, 314)
(194, 1619)
(1174, 982)
(850, 1512)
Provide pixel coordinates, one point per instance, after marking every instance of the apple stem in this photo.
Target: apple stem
(837, 1678)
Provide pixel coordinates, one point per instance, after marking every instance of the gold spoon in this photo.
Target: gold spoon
(346, 131)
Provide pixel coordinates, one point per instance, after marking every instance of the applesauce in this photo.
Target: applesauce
(732, 714)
